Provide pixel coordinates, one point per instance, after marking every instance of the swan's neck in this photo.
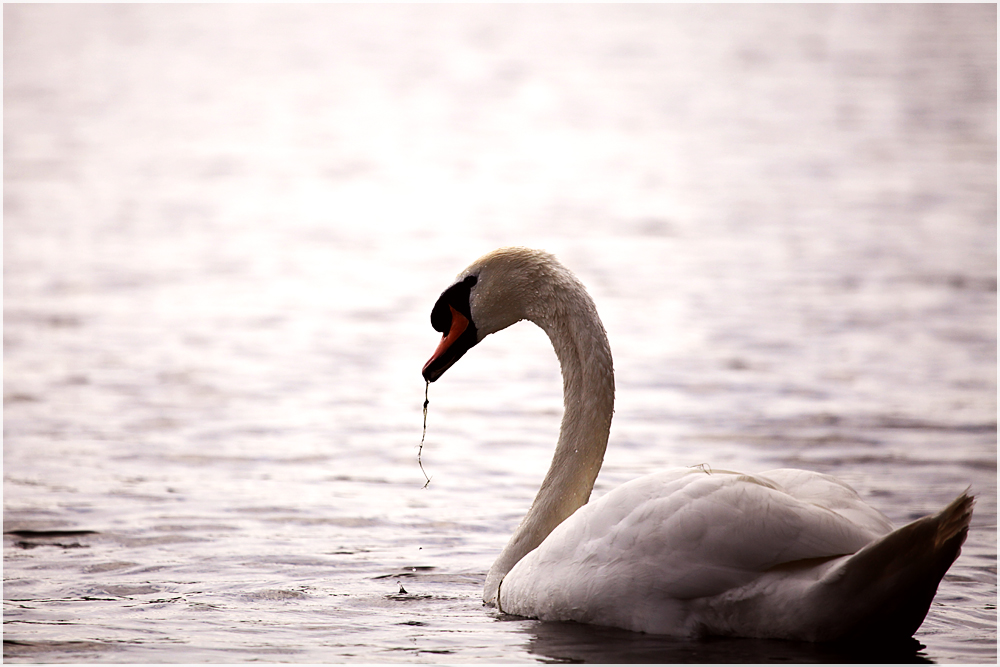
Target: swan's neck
(568, 316)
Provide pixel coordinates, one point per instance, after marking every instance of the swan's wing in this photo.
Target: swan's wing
(700, 533)
(831, 493)
(675, 536)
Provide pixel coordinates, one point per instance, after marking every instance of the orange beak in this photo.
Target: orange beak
(459, 323)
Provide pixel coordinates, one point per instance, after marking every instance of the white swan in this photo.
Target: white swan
(787, 554)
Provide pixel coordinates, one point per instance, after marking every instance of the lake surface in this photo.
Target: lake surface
(225, 227)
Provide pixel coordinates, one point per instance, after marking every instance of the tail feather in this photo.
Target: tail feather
(955, 518)
(885, 590)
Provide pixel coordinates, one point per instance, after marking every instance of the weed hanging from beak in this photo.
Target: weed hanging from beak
(420, 451)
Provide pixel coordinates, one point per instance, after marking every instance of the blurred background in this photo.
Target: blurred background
(225, 226)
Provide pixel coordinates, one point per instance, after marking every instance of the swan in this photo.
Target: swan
(785, 554)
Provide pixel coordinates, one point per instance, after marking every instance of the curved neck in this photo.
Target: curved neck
(570, 319)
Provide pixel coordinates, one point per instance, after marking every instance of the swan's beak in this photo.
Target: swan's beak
(457, 340)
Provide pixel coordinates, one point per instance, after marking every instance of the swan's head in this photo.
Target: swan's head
(496, 291)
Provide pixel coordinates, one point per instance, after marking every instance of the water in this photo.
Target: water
(225, 228)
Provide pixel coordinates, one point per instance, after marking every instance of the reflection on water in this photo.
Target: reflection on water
(225, 227)
(573, 642)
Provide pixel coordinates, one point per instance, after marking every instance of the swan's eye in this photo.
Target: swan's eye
(441, 315)
(456, 296)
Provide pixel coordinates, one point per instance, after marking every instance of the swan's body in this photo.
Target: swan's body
(785, 554)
